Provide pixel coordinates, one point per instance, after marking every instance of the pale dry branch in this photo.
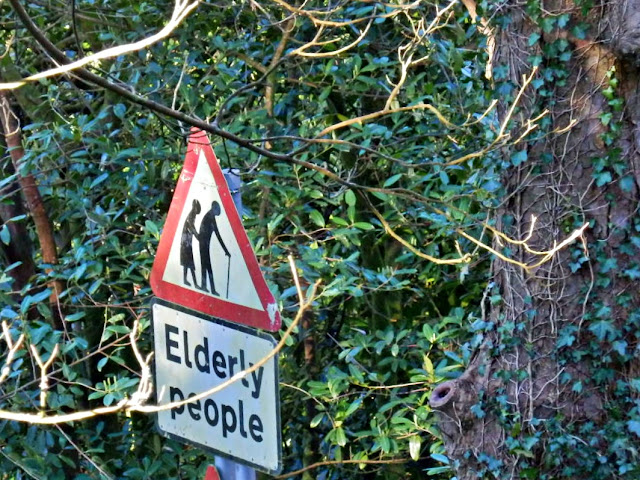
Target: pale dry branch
(181, 10)
(578, 233)
(544, 255)
(525, 83)
(135, 403)
(466, 258)
(380, 113)
(145, 387)
(314, 14)
(404, 57)
(44, 377)
(486, 30)
(301, 50)
(13, 348)
(8, 43)
(439, 13)
(502, 138)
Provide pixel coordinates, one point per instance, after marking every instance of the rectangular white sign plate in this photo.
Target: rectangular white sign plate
(195, 352)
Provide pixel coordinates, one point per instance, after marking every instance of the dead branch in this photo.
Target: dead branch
(180, 11)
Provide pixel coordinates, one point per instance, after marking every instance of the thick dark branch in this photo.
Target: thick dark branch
(97, 80)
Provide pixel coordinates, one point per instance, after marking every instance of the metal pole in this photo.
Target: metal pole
(228, 469)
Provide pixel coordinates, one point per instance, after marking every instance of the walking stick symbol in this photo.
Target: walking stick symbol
(228, 273)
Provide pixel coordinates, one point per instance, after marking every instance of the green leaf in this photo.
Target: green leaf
(428, 366)
(119, 110)
(94, 395)
(103, 361)
(340, 437)
(5, 235)
(391, 180)
(152, 228)
(75, 316)
(363, 226)
(98, 180)
(317, 218)
(316, 420)
(440, 458)
(350, 198)
(353, 407)
(414, 447)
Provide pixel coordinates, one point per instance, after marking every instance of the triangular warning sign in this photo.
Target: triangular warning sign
(205, 261)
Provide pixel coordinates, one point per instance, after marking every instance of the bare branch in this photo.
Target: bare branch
(13, 348)
(466, 258)
(180, 11)
(44, 377)
(135, 403)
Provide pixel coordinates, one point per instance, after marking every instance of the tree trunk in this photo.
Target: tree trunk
(554, 389)
(19, 249)
(44, 230)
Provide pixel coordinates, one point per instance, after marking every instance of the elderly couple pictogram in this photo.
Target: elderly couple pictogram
(208, 227)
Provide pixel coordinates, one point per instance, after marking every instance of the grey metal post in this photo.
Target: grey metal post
(228, 469)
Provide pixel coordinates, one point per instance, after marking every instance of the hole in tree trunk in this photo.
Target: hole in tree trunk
(442, 394)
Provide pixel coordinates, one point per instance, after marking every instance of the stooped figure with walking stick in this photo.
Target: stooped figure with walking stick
(186, 252)
(208, 227)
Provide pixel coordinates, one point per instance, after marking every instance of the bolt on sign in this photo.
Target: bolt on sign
(205, 260)
(195, 352)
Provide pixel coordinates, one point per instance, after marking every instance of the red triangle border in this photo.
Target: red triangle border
(217, 307)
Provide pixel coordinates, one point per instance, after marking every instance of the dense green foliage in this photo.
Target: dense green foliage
(106, 170)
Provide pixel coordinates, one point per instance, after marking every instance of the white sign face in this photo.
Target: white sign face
(198, 259)
(193, 353)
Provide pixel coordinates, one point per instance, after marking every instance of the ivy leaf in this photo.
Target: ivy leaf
(602, 329)
(608, 265)
(633, 273)
(603, 178)
(634, 426)
(533, 38)
(626, 183)
(519, 157)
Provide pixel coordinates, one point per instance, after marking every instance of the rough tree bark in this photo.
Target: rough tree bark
(545, 397)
